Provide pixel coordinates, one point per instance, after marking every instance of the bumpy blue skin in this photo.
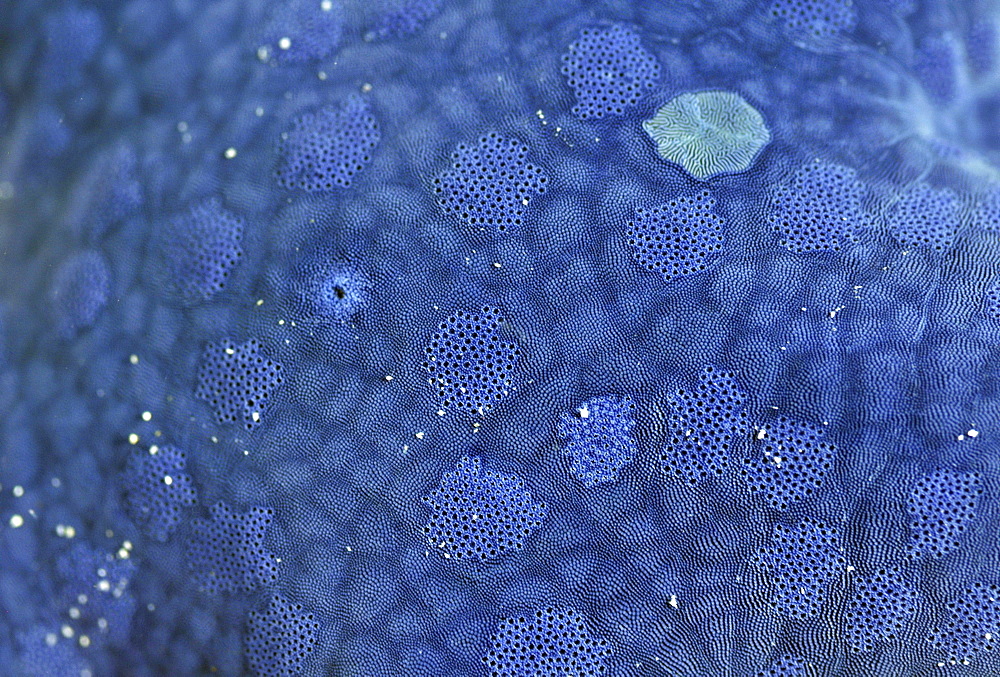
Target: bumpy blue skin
(889, 343)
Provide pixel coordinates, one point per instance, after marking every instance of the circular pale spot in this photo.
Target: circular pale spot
(708, 133)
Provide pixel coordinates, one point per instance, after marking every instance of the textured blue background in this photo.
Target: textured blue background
(144, 220)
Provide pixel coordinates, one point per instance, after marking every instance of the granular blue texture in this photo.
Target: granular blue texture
(279, 637)
(970, 626)
(608, 70)
(354, 268)
(110, 192)
(45, 652)
(925, 217)
(815, 20)
(470, 365)
(677, 238)
(71, 37)
(551, 641)
(398, 18)
(302, 31)
(490, 183)
(882, 606)
(227, 552)
(703, 422)
(325, 148)
(941, 505)
(599, 439)
(237, 380)
(786, 666)
(80, 289)
(987, 212)
(788, 461)
(479, 513)
(96, 591)
(818, 208)
(991, 302)
(201, 247)
(158, 489)
(801, 562)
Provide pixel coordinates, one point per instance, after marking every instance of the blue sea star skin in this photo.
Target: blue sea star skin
(378, 338)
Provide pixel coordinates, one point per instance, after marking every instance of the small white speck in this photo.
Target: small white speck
(367, 87)
(168, 480)
(388, 377)
(18, 491)
(584, 412)
(182, 127)
(67, 631)
(16, 521)
(229, 153)
(84, 641)
(74, 613)
(973, 433)
(673, 602)
(133, 438)
(56, 482)
(255, 416)
(326, 5)
(103, 586)
(419, 435)
(134, 359)
(147, 416)
(285, 43)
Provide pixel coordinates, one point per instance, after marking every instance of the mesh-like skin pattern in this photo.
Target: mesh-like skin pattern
(608, 70)
(227, 553)
(480, 514)
(279, 638)
(677, 238)
(238, 381)
(599, 439)
(704, 420)
(818, 208)
(490, 183)
(802, 560)
(324, 149)
(941, 506)
(553, 641)
(471, 367)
